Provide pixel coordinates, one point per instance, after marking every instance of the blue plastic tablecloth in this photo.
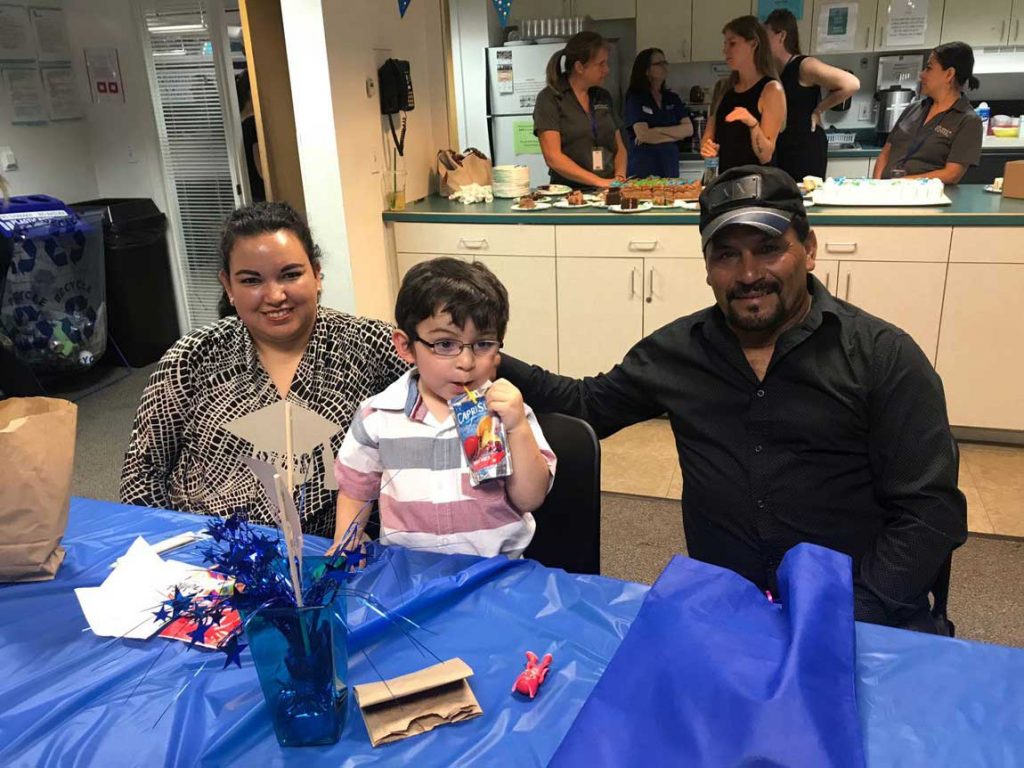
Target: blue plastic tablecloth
(72, 699)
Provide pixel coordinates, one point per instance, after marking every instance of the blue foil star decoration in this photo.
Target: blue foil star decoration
(198, 634)
(163, 614)
(232, 650)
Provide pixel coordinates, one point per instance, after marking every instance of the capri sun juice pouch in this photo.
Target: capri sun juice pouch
(482, 436)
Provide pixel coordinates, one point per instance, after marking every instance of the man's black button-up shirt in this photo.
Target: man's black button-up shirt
(844, 443)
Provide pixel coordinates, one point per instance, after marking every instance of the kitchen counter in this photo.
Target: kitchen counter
(972, 206)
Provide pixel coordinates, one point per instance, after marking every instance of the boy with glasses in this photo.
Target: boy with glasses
(403, 448)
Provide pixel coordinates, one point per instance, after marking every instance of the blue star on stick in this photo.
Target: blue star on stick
(504, 8)
(232, 650)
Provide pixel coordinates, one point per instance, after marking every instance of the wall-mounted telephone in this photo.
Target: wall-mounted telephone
(396, 96)
(395, 87)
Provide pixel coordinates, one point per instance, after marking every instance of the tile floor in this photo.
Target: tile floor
(642, 461)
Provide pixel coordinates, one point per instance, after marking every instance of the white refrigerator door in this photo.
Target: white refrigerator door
(516, 74)
(503, 138)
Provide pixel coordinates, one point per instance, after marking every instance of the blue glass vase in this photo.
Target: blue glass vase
(301, 657)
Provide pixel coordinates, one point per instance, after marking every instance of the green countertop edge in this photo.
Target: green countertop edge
(972, 207)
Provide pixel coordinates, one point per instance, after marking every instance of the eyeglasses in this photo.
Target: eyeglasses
(453, 348)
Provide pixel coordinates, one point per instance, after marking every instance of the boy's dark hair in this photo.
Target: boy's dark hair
(464, 290)
(261, 219)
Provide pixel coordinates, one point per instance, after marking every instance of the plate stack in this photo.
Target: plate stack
(511, 180)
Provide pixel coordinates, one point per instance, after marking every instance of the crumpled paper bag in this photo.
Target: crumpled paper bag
(405, 706)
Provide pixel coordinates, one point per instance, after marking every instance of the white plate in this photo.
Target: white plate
(563, 203)
(538, 206)
(554, 190)
(690, 205)
(991, 188)
(808, 203)
(639, 209)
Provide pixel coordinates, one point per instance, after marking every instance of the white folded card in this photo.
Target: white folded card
(125, 603)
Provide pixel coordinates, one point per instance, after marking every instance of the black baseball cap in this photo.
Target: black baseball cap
(755, 195)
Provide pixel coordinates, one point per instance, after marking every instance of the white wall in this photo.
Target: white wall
(81, 159)
(361, 35)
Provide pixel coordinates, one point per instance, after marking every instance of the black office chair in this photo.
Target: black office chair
(940, 589)
(569, 521)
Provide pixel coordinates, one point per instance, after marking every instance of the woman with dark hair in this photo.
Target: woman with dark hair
(802, 148)
(656, 118)
(573, 117)
(939, 136)
(745, 122)
(281, 345)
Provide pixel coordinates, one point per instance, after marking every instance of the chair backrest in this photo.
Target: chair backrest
(940, 589)
(569, 522)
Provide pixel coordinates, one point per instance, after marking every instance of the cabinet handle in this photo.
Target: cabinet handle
(643, 245)
(841, 247)
(828, 281)
(867, 38)
(632, 282)
(650, 286)
(473, 245)
(846, 295)
(1002, 28)
(878, 40)
(1016, 28)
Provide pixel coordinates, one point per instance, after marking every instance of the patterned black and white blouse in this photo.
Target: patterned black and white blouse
(180, 457)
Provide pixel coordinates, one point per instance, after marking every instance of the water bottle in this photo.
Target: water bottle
(984, 112)
(710, 171)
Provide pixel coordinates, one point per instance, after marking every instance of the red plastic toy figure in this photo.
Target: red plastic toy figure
(529, 679)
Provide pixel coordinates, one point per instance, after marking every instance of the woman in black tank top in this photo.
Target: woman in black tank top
(802, 148)
(746, 120)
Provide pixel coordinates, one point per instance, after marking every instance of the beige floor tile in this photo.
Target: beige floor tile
(994, 467)
(675, 486)
(1005, 508)
(978, 520)
(639, 460)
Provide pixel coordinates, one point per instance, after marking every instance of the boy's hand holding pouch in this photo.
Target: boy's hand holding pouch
(482, 432)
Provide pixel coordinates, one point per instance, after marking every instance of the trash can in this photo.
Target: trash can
(141, 310)
(53, 307)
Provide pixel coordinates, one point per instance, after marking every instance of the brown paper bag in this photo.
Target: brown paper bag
(37, 446)
(405, 706)
(456, 171)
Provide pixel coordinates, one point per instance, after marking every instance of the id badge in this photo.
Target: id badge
(597, 160)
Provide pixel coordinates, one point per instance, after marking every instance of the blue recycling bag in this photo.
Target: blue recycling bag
(713, 674)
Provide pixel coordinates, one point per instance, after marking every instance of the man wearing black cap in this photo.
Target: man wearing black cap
(797, 416)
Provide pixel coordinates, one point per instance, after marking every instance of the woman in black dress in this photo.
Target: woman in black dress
(745, 123)
(802, 148)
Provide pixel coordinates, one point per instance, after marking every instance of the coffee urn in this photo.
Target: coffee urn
(891, 103)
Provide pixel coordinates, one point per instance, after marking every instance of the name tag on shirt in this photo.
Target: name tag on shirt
(943, 131)
(597, 160)
(647, 110)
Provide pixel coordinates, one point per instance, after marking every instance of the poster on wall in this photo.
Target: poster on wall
(15, 35)
(104, 71)
(51, 34)
(908, 23)
(61, 93)
(24, 92)
(505, 77)
(837, 27)
(764, 7)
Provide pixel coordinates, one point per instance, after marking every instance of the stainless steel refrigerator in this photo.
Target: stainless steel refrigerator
(516, 74)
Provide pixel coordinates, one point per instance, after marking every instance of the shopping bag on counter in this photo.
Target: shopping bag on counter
(458, 170)
(37, 450)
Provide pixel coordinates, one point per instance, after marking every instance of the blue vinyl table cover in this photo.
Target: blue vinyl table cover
(69, 698)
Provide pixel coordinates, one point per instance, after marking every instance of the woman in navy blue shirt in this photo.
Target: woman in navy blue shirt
(656, 119)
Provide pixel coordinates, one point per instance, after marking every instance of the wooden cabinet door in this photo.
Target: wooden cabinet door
(980, 22)
(981, 347)
(1014, 35)
(906, 294)
(863, 33)
(673, 288)
(540, 9)
(890, 8)
(664, 24)
(603, 9)
(827, 270)
(709, 16)
(533, 314)
(600, 312)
